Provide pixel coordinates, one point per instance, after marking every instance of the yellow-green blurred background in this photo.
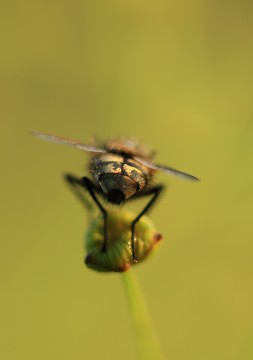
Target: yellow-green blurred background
(176, 74)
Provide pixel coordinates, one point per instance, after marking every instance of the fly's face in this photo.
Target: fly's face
(119, 178)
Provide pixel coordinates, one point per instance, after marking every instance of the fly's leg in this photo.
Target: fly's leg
(87, 184)
(155, 191)
(77, 187)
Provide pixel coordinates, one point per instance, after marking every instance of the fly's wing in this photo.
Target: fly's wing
(166, 169)
(66, 141)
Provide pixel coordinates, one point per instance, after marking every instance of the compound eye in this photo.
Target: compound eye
(116, 196)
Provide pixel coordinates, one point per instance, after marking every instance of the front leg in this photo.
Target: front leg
(87, 184)
(155, 191)
(77, 187)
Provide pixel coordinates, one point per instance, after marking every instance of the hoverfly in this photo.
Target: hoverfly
(121, 170)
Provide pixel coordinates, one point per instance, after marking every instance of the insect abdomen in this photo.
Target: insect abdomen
(116, 164)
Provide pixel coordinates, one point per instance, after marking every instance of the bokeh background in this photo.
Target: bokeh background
(176, 74)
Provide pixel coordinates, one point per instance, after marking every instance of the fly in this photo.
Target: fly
(120, 170)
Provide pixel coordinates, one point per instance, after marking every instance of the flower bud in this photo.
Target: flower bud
(118, 255)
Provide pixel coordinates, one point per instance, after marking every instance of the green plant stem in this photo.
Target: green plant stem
(147, 344)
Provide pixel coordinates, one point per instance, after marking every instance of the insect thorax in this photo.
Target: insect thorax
(115, 172)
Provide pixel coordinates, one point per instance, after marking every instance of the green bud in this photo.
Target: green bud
(118, 256)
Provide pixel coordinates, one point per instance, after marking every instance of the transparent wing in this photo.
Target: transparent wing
(166, 169)
(66, 141)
